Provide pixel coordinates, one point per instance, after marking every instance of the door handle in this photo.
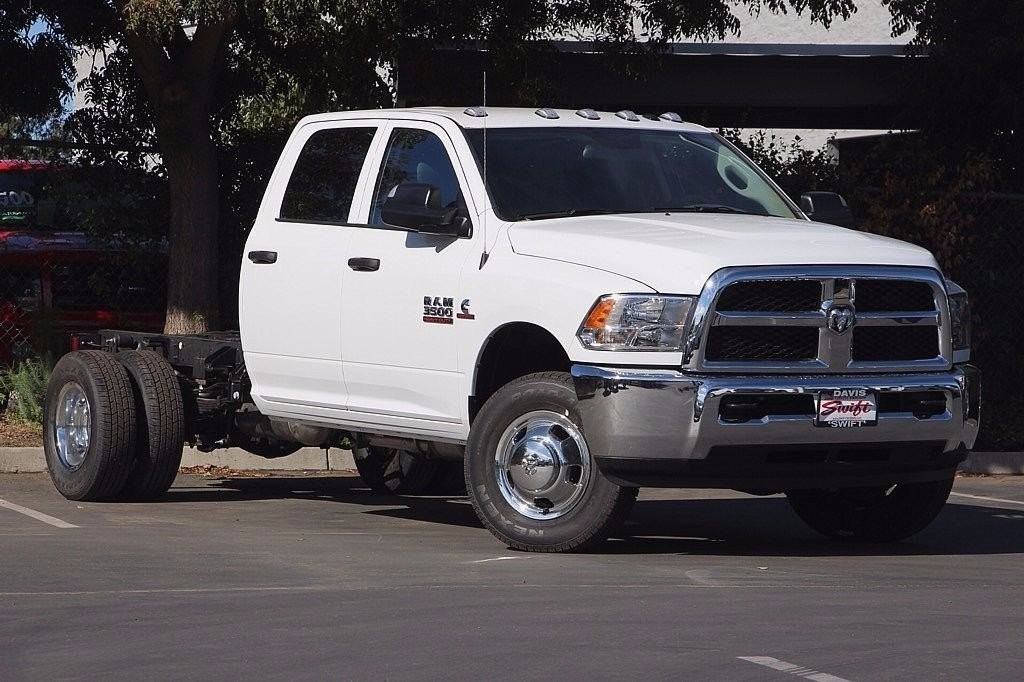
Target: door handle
(364, 264)
(264, 257)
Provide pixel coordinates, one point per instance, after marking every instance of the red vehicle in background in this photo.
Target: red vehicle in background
(55, 284)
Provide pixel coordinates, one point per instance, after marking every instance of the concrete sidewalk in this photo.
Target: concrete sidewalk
(24, 460)
(15, 460)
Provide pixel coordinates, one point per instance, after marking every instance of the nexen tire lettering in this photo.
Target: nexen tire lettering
(505, 521)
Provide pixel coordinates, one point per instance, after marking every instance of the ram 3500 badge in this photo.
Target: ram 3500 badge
(648, 308)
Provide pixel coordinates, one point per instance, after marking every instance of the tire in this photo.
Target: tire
(160, 415)
(450, 478)
(89, 398)
(871, 514)
(529, 426)
(389, 471)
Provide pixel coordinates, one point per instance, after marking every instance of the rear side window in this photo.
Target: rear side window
(325, 175)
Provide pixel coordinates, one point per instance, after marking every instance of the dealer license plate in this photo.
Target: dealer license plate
(847, 408)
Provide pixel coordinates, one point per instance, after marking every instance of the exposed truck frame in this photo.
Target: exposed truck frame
(218, 408)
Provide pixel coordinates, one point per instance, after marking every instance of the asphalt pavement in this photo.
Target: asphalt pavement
(316, 577)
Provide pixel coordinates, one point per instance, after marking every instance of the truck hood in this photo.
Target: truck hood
(677, 253)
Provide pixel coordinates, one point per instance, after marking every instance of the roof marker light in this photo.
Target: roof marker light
(671, 116)
(627, 115)
(475, 112)
(588, 114)
(547, 112)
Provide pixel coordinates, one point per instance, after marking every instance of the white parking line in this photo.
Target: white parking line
(989, 499)
(497, 558)
(38, 516)
(791, 668)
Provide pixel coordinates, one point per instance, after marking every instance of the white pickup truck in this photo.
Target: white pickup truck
(563, 305)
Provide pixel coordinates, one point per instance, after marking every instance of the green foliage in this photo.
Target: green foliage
(904, 187)
(24, 388)
(44, 56)
(971, 99)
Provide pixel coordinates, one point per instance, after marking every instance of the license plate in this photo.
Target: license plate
(847, 408)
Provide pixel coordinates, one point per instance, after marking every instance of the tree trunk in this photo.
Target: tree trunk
(180, 78)
(191, 162)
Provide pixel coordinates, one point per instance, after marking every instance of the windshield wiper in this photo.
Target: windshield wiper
(702, 208)
(567, 213)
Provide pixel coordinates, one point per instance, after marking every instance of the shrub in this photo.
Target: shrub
(24, 388)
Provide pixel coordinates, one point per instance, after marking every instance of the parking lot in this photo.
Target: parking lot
(315, 576)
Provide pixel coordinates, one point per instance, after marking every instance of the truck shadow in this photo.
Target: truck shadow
(768, 527)
(745, 526)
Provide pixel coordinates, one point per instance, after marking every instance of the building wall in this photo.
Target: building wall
(870, 25)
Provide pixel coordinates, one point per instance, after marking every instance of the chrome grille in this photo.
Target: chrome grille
(784, 295)
(893, 295)
(776, 319)
(895, 343)
(762, 343)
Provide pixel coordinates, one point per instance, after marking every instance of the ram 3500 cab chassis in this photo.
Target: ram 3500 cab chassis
(548, 310)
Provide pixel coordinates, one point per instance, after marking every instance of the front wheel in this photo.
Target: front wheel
(876, 514)
(530, 475)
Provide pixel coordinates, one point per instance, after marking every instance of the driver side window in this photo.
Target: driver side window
(416, 156)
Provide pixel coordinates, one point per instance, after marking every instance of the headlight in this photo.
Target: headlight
(959, 316)
(636, 322)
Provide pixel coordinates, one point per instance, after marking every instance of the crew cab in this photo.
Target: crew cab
(565, 306)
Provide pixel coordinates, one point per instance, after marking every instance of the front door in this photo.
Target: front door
(401, 357)
(292, 280)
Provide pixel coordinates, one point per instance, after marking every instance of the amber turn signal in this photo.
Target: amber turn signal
(598, 316)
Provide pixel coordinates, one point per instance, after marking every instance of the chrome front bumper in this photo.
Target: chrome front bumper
(667, 423)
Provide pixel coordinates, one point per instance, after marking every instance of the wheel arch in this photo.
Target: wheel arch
(510, 351)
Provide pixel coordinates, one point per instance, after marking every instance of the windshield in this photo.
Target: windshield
(537, 173)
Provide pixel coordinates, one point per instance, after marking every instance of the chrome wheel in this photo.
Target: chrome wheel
(542, 465)
(72, 425)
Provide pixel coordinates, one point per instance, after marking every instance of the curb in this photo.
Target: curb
(993, 463)
(27, 460)
(21, 460)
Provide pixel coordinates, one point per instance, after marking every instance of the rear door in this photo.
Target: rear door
(291, 283)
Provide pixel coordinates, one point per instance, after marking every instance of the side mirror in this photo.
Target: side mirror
(826, 207)
(417, 207)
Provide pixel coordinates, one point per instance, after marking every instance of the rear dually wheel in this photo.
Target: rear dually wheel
(89, 428)
(160, 412)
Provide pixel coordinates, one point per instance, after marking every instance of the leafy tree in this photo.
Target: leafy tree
(214, 84)
(971, 99)
(34, 89)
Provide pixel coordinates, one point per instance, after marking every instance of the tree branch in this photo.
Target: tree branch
(208, 42)
(147, 53)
